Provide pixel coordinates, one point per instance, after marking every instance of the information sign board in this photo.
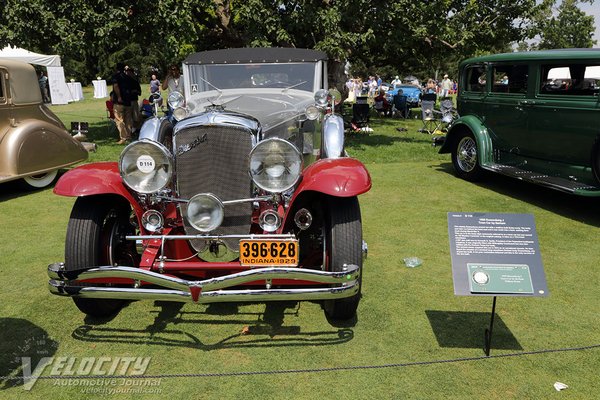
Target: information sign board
(495, 255)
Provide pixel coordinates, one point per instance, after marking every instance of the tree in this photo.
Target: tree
(570, 28)
(406, 36)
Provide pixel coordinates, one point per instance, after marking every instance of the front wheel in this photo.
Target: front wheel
(343, 245)
(465, 157)
(96, 237)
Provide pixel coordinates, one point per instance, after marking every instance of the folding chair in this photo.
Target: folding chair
(446, 114)
(79, 130)
(400, 103)
(360, 115)
(427, 116)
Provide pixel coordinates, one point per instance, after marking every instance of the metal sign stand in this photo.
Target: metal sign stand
(487, 337)
(495, 254)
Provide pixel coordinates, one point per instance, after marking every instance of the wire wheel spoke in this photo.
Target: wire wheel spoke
(467, 154)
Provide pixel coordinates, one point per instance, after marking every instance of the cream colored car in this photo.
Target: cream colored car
(34, 143)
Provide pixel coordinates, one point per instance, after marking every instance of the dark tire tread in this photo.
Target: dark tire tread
(83, 248)
(345, 247)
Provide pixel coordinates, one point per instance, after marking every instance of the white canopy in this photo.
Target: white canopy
(16, 53)
(59, 91)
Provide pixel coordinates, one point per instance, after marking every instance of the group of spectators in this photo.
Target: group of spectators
(125, 94)
(357, 87)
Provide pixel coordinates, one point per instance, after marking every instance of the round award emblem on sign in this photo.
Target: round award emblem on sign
(481, 277)
(145, 163)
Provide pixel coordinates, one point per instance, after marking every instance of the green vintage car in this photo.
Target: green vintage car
(534, 116)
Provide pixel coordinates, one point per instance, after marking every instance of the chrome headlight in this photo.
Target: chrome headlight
(205, 212)
(146, 166)
(180, 113)
(275, 165)
(312, 112)
(321, 97)
(176, 100)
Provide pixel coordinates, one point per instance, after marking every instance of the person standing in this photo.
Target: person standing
(173, 81)
(154, 84)
(122, 103)
(446, 86)
(43, 82)
(136, 91)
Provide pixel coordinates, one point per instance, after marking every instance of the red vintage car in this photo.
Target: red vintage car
(244, 193)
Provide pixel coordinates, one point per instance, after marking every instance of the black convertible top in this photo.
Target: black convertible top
(255, 55)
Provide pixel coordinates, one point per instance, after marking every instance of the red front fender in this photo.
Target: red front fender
(341, 177)
(94, 179)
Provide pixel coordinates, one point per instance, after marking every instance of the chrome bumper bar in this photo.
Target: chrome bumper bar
(208, 290)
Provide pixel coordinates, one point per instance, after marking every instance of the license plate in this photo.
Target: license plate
(268, 253)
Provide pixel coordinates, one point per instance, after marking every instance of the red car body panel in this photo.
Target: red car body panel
(94, 179)
(340, 177)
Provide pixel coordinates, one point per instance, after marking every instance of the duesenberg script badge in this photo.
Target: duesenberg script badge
(187, 147)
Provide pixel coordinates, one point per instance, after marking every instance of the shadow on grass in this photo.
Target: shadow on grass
(20, 338)
(578, 208)
(16, 189)
(264, 329)
(466, 330)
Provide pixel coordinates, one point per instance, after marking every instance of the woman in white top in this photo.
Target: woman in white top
(174, 80)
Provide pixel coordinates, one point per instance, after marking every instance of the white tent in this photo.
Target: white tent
(59, 91)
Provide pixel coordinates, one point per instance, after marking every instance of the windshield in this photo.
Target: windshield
(298, 76)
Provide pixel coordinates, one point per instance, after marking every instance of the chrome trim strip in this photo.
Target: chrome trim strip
(59, 288)
(225, 202)
(207, 291)
(351, 272)
(212, 237)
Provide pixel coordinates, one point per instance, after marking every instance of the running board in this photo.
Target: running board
(554, 182)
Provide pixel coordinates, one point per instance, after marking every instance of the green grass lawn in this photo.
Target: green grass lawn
(406, 316)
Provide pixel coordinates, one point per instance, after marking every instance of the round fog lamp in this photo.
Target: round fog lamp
(205, 212)
(269, 221)
(152, 221)
(312, 112)
(180, 113)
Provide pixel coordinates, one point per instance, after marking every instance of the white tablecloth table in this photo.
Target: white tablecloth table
(75, 91)
(100, 90)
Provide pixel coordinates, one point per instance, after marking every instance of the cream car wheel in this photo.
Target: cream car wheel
(41, 180)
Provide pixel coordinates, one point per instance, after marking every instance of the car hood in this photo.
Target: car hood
(410, 91)
(270, 107)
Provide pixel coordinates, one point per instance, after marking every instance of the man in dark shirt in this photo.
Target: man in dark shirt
(122, 103)
(136, 91)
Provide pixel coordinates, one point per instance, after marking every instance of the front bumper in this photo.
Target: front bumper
(213, 290)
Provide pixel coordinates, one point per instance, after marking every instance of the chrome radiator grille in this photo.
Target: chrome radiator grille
(214, 159)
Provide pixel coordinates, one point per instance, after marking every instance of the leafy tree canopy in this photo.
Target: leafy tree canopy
(423, 38)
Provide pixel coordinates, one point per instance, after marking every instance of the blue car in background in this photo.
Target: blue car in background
(412, 93)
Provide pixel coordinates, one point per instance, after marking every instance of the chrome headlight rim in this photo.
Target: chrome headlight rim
(143, 165)
(180, 113)
(294, 151)
(176, 99)
(322, 97)
(312, 112)
(218, 207)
